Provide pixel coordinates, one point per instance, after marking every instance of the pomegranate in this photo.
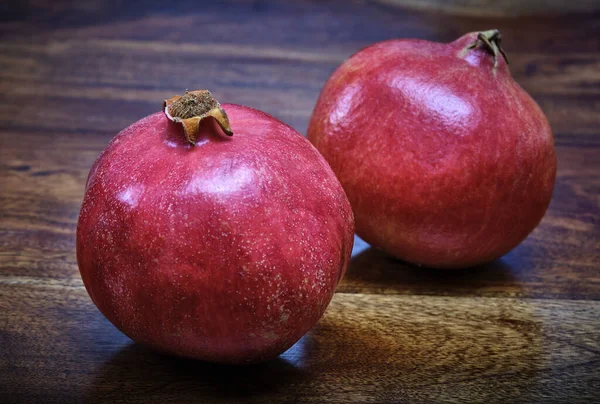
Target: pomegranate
(225, 249)
(447, 162)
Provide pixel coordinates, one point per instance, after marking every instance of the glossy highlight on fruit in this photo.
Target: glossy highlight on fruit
(202, 245)
(446, 160)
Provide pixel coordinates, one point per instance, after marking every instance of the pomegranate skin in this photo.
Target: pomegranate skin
(446, 160)
(227, 251)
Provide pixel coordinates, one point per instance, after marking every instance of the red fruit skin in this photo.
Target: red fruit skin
(226, 251)
(447, 162)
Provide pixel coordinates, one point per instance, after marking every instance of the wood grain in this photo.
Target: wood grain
(367, 348)
(43, 191)
(500, 8)
(72, 74)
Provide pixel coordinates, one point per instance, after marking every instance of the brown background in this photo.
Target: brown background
(523, 329)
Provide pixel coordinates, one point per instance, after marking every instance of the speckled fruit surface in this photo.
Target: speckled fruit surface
(226, 251)
(446, 161)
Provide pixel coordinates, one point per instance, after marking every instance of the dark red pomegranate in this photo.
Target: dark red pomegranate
(225, 249)
(447, 162)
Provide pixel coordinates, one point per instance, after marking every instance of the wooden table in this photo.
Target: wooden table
(523, 329)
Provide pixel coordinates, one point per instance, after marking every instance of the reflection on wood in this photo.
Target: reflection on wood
(367, 348)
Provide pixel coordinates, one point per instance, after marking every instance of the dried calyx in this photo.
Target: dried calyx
(490, 40)
(191, 108)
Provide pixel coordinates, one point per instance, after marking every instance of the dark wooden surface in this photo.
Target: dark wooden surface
(523, 329)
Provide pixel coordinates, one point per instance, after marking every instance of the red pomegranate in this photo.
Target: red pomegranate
(447, 162)
(225, 249)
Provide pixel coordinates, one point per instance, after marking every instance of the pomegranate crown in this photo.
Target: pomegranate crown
(490, 40)
(191, 108)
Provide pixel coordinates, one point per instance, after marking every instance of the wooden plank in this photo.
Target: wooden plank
(138, 58)
(368, 348)
(43, 181)
(298, 24)
(505, 8)
(285, 83)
